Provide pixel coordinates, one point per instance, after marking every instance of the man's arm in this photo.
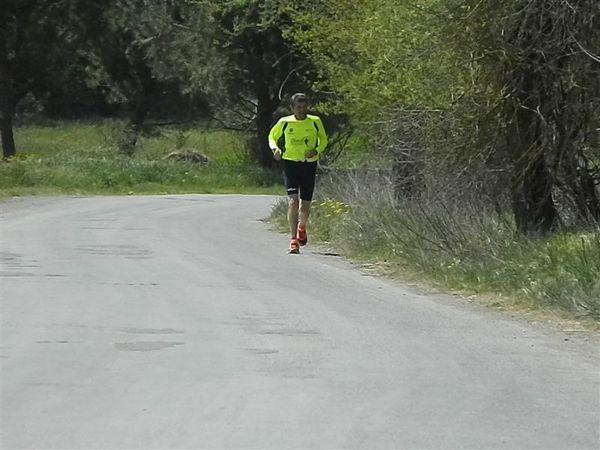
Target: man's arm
(274, 135)
(321, 136)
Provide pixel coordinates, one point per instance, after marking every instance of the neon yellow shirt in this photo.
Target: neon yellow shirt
(299, 137)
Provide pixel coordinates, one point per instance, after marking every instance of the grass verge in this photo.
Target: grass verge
(83, 158)
(462, 252)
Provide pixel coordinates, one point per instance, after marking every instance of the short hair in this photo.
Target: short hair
(298, 97)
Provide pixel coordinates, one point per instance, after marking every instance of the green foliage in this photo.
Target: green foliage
(378, 53)
(110, 45)
(29, 33)
(171, 39)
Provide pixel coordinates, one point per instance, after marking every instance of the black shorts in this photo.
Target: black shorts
(299, 177)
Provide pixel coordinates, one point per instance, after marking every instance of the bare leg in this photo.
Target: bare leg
(293, 206)
(304, 213)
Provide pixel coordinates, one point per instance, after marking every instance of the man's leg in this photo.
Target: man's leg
(306, 194)
(293, 207)
(292, 182)
(304, 213)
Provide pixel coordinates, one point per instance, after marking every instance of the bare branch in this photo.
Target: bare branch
(295, 70)
(584, 50)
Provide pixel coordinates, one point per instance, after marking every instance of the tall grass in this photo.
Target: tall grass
(459, 245)
(84, 158)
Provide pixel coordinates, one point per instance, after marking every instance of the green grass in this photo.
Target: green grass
(83, 158)
(559, 274)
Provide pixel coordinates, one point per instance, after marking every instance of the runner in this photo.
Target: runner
(304, 138)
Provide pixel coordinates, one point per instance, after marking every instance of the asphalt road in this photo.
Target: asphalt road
(181, 322)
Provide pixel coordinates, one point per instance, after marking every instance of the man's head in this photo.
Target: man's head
(299, 105)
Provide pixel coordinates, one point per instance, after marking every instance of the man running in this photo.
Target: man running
(304, 138)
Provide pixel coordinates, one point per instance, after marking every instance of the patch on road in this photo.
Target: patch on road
(145, 346)
(127, 251)
(151, 331)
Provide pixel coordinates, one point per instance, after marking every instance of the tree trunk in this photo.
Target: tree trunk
(264, 122)
(138, 107)
(588, 201)
(267, 104)
(408, 179)
(6, 102)
(533, 206)
(137, 115)
(579, 182)
(587, 181)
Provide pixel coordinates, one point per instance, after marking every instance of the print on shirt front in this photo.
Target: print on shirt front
(296, 139)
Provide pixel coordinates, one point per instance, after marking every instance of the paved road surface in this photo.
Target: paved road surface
(180, 322)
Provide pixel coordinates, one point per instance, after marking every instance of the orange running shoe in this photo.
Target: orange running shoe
(302, 237)
(294, 246)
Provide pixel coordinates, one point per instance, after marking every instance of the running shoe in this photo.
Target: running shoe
(302, 237)
(294, 246)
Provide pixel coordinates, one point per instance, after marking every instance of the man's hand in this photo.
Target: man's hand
(277, 154)
(310, 154)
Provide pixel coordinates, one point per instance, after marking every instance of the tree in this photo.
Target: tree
(375, 54)
(263, 64)
(138, 47)
(125, 49)
(26, 30)
(7, 100)
(538, 56)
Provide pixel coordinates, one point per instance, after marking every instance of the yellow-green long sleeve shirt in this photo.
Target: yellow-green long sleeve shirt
(299, 137)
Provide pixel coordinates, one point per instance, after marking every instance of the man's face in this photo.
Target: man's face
(300, 108)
